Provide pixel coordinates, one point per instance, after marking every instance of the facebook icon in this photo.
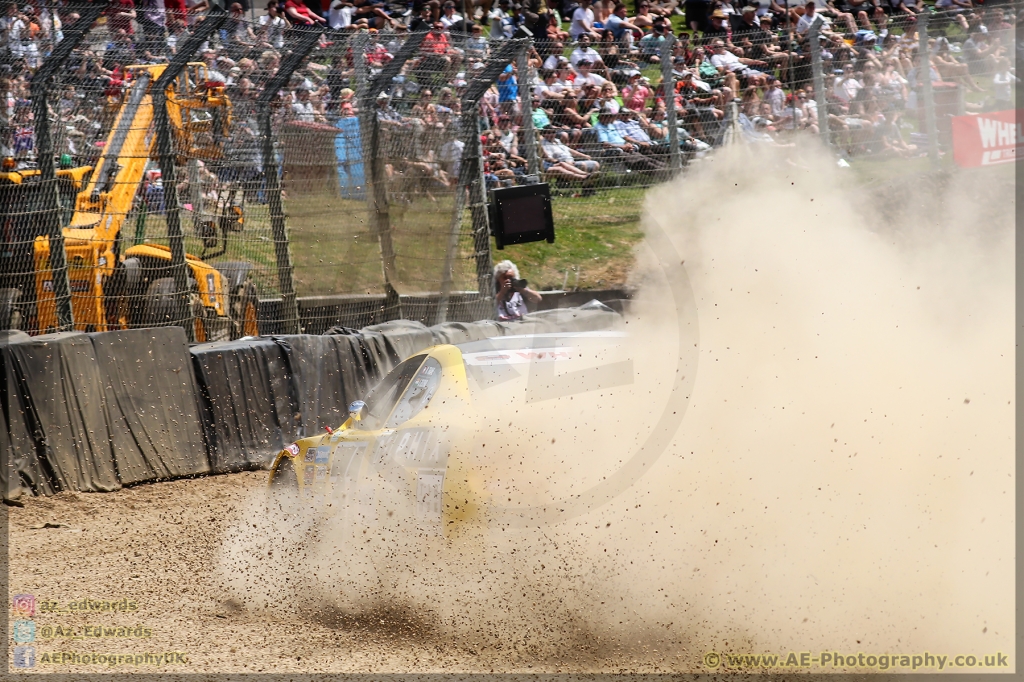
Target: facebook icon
(24, 657)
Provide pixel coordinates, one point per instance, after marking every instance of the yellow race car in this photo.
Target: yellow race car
(412, 446)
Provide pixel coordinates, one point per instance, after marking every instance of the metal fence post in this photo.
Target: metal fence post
(668, 89)
(819, 80)
(166, 158)
(471, 183)
(370, 135)
(50, 208)
(526, 111)
(264, 103)
(924, 78)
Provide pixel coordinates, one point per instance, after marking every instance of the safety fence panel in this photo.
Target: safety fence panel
(317, 173)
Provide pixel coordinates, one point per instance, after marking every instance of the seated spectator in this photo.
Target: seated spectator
(615, 145)
(583, 51)
(728, 64)
(650, 44)
(298, 13)
(303, 108)
(476, 46)
(644, 20)
(582, 22)
(620, 25)
(636, 93)
(340, 16)
(609, 98)
(449, 17)
(585, 75)
(502, 21)
(718, 26)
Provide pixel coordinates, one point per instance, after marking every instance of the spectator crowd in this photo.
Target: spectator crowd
(595, 92)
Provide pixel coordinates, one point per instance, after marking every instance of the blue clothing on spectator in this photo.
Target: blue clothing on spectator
(508, 90)
(614, 24)
(609, 134)
(633, 130)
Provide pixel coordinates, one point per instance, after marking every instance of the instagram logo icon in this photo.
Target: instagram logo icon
(24, 605)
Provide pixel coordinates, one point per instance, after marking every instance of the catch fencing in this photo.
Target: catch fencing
(239, 177)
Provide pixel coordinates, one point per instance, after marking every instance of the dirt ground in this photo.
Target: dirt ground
(155, 545)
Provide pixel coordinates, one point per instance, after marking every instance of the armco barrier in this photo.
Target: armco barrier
(149, 394)
(90, 412)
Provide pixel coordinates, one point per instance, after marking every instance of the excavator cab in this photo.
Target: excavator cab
(21, 225)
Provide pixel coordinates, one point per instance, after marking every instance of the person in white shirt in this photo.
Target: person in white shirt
(583, 21)
(557, 151)
(586, 76)
(585, 51)
(340, 15)
(847, 86)
(449, 16)
(726, 61)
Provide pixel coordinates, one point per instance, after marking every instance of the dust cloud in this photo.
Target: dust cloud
(839, 475)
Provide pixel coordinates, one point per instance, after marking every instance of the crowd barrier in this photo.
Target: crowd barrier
(93, 412)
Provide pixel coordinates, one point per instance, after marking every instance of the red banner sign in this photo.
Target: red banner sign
(987, 139)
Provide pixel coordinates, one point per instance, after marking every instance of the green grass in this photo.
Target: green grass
(594, 241)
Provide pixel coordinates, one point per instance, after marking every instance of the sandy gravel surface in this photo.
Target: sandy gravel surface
(155, 545)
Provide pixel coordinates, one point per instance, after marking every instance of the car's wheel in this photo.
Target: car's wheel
(284, 476)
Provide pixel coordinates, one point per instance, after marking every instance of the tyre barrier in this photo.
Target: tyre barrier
(93, 412)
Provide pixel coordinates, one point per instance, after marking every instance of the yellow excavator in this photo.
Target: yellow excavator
(114, 286)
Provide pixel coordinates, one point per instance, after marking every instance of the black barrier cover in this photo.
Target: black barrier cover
(150, 399)
(59, 386)
(246, 399)
(331, 371)
(21, 468)
(461, 332)
(403, 337)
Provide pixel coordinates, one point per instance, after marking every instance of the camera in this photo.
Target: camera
(518, 284)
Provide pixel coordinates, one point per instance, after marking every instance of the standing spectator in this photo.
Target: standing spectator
(120, 14)
(273, 25)
(508, 91)
(511, 293)
(153, 21)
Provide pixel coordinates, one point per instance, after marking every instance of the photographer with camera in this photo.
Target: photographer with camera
(510, 292)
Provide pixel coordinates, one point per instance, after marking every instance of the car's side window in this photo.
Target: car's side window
(384, 395)
(418, 394)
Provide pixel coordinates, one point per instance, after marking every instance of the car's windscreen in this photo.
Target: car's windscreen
(381, 400)
(419, 393)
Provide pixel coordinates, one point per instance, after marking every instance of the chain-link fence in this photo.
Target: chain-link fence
(239, 176)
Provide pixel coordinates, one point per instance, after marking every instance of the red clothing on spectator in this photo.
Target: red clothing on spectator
(435, 43)
(300, 9)
(176, 9)
(115, 22)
